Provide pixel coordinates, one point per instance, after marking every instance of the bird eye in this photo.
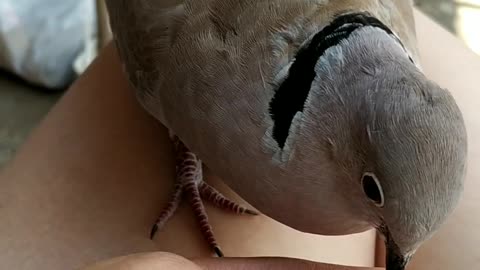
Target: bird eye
(373, 189)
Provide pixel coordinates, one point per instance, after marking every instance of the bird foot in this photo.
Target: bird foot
(189, 182)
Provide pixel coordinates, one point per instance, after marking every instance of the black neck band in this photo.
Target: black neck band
(290, 97)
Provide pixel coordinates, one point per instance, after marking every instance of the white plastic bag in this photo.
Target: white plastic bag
(40, 40)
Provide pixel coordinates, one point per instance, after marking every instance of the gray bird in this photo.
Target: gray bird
(316, 112)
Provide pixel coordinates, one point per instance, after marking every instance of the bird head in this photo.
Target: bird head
(410, 137)
(399, 138)
(415, 159)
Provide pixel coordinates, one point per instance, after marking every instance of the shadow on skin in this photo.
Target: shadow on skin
(161, 260)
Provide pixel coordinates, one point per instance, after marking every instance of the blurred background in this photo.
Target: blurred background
(45, 45)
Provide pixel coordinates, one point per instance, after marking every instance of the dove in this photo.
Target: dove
(316, 112)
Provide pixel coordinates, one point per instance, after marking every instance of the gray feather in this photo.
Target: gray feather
(208, 70)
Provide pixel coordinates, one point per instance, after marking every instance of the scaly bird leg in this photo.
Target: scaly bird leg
(189, 182)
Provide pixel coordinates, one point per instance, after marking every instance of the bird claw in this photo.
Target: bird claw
(189, 182)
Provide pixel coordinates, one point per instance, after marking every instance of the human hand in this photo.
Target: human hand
(162, 260)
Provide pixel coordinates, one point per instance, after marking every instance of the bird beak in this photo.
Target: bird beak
(395, 261)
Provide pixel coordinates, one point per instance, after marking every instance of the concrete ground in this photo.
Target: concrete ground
(23, 106)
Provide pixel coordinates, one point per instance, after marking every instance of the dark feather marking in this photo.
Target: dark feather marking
(291, 95)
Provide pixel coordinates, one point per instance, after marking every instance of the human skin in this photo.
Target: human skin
(161, 260)
(93, 176)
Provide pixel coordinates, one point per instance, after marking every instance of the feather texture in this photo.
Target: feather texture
(210, 69)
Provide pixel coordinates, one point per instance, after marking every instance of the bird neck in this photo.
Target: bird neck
(364, 35)
(316, 59)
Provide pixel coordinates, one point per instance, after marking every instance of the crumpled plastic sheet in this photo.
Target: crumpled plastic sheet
(47, 42)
